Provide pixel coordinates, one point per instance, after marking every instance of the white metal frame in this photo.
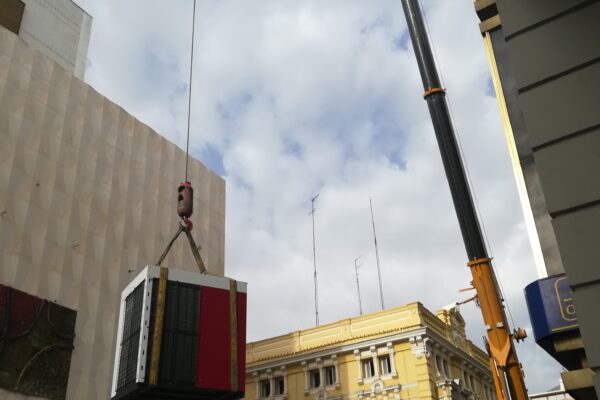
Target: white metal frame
(145, 277)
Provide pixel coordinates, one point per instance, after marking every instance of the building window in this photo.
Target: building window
(279, 384)
(315, 378)
(329, 375)
(265, 388)
(384, 364)
(447, 369)
(369, 368)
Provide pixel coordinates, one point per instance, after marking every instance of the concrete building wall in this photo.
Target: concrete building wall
(60, 29)
(552, 49)
(87, 197)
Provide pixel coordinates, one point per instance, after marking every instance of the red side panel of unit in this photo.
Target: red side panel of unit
(214, 365)
(214, 344)
(241, 309)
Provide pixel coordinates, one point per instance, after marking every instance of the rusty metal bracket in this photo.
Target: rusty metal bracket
(467, 300)
(233, 330)
(158, 325)
(185, 228)
(432, 90)
(195, 251)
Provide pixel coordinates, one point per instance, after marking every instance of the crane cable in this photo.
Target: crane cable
(185, 192)
(187, 145)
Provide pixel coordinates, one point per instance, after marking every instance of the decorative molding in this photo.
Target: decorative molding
(420, 345)
(378, 388)
(353, 347)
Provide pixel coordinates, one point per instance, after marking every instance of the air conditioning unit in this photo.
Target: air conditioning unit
(202, 337)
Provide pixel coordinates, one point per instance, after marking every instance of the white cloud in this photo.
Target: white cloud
(324, 97)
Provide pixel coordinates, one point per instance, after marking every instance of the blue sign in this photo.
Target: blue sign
(550, 305)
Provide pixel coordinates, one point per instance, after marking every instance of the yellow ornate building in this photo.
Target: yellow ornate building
(405, 352)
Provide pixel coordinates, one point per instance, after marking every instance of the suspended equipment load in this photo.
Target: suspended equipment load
(187, 343)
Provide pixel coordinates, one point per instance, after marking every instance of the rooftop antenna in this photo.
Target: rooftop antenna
(377, 255)
(312, 212)
(358, 285)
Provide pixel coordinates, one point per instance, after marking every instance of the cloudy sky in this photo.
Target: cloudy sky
(294, 98)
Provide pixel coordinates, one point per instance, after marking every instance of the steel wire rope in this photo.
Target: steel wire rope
(464, 161)
(187, 144)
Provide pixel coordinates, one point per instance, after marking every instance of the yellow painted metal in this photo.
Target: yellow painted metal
(499, 393)
(534, 239)
(499, 382)
(501, 346)
(158, 325)
(233, 329)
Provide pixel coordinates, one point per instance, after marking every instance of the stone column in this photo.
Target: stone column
(283, 370)
(320, 367)
(306, 377)
(257, 380)
(271, 382)
(374, 357)
(336, 369)
(359, 366)
(390, 347)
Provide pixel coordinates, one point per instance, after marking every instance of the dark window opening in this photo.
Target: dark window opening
(315, 378)
(330, 375)
(265, 388)
(369, 368)
(279, 385)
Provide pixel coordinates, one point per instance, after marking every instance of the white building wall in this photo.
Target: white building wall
(60, 29)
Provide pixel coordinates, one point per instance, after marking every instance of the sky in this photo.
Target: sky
(291, 99)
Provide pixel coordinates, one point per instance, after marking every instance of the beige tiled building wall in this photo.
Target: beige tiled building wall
(87, 195)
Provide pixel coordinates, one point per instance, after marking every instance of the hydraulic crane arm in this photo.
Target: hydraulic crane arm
(503, 357)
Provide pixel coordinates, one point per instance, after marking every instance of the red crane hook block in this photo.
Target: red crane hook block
(185, 200)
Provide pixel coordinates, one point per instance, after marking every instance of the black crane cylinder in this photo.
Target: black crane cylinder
(444, 132)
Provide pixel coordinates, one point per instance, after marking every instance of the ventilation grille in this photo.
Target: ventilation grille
(179, 345)
(130, 340)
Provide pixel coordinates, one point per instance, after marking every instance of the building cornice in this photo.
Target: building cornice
(349, 348)
(457, 351)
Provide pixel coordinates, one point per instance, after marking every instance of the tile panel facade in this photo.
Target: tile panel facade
(87, 196)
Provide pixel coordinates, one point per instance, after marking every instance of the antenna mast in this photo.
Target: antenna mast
(377, 255)
(358, 285)
(312, 212)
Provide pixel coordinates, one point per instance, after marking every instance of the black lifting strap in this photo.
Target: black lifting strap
(195, 252)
